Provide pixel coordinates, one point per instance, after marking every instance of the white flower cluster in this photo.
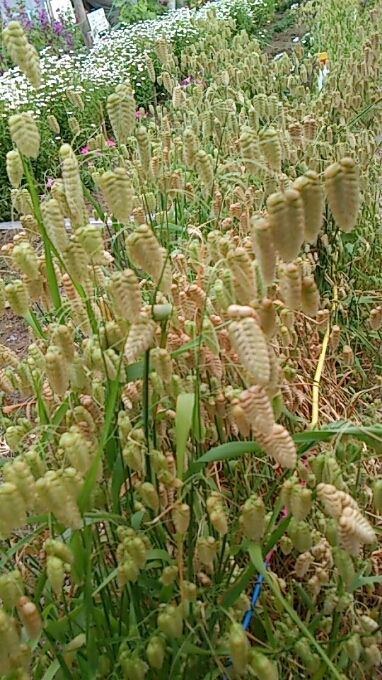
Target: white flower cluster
(119, 56)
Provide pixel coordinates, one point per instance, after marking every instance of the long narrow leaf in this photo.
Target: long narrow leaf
(183, 421)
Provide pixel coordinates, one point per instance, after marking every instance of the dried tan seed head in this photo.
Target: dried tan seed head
(342, 187)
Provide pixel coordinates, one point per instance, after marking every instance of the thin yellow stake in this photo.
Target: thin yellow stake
(320, 366)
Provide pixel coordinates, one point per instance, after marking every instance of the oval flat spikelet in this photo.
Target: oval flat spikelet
(25, 134)
(204, 167)
(140, 338)
(271, 148)
(342, 187)
(264, 248)
(250, 345)
(54, 224)
(279, 445)
(286, 219)
(290, 285)
(313, 203)
(310, 297)
(124, 291)
(295, 224)
(359, 525)
(145, 252)
(244, 281)
(121, 111)
(144, 148)
(330, 498)
(116, 186)
(14, 168)
(257, 409)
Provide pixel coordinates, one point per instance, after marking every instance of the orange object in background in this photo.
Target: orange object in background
(323, 57)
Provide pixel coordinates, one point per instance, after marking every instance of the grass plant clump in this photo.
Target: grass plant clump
(185, 494)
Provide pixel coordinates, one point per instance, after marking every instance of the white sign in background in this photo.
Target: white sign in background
(98, 23)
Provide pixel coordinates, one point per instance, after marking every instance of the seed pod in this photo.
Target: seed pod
(18, 473)
(250, 345)
(116, 186)
(373, 655)
(252, 519)
(17, 297)
(25, 258)
(150, 68)
(244, 280)
(11, 588)
(59, 549)
(342, 186)
(263, 247)
(310, 297)
(335, 338)
(353, 522)
(15, 169)
(257, 409)
(75, 98)
(124, 291)
(170, 621)
(347, 355)
(271, 148)
(353, 647)
(76, 260)
(204, 168)
(375, 318)
(344, 564)
(279, 445)
(144, 250)
(54, 224)
(206, 548)
(16, 43)
(313, 204)
(74, 125)
(30, 618)
(268, 317)
(55, 572)
(238, 648)
(25, 134)
(10, 635)
(300, 502)
(72, 183)
(249, 152)
(140, 338)
(311, 661)
(190, 147)
(53, 123)
(121, 111)
(262, 666)
(290, 285)
(56, 370)
(144, 148)
(302, 564)
(161, 361)
(155, 651)
(300, 534)
(181, 517)
(286, 219)
(161, 49)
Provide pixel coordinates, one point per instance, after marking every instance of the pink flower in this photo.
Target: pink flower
(110, 142)
(85, 149)
(49, 182)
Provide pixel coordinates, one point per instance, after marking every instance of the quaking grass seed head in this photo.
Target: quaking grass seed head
(25, 134)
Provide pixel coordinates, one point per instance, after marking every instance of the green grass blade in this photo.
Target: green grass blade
(183, 421)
